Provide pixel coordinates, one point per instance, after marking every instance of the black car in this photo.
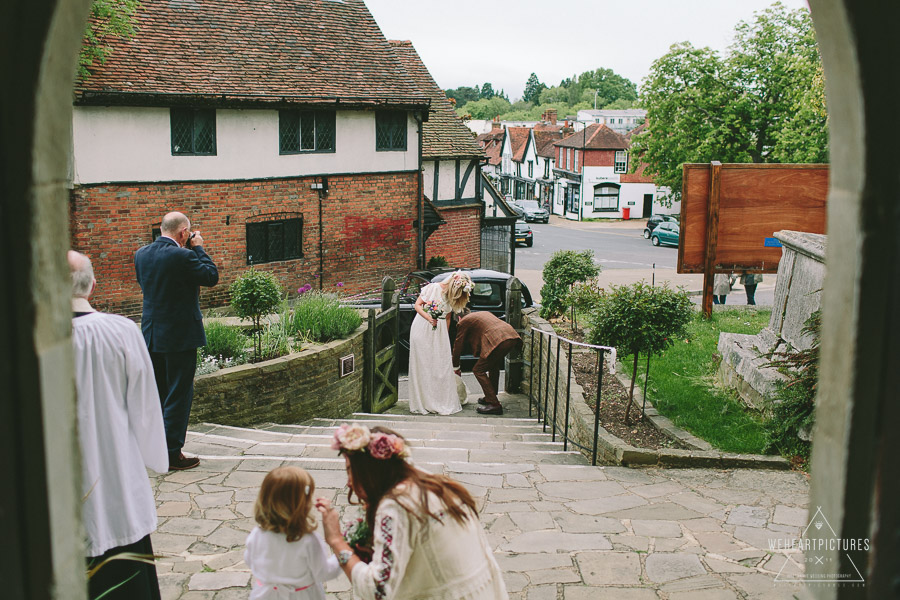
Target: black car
(655, 220)
(524, 235)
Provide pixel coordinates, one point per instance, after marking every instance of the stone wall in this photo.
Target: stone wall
(290, 389)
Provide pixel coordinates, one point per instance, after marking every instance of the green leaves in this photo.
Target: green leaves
(561, 272)
(533, 89)
(254, 295)
(763, 102)
(109, 19)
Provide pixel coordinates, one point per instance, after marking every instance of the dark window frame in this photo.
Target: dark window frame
(531, 168)
(193, 119)
(599, 197)
(311, 131)
(391, 127)
(270, 239)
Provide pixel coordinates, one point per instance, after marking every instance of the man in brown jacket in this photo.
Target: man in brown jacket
(490, 339)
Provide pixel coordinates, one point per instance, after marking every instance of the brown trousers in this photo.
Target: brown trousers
(487, 369)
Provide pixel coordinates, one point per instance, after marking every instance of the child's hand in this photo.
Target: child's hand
(330, 521)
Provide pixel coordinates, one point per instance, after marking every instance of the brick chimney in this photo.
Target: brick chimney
(549, 116)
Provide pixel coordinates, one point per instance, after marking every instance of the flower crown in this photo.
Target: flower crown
(359, 438)
(468, 285)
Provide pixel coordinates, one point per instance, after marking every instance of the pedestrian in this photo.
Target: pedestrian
(427, 539)
(170, 271)
(288, 560)
(721, 287)
(750, 281)
(120, 432)
(490, 339)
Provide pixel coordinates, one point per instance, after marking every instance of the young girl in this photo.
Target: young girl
(288, 561)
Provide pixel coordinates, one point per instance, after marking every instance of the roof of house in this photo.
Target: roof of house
(595, 137)
(518, 141)
(543, 141)
(246, 52)
(639, 176)
(636, 131)
(444, 135)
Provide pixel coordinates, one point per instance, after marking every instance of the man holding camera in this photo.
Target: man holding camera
(170, 271)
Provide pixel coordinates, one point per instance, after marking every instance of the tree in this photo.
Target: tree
(486, 108)
(637, 319)
(763, 102)
(608, 85)
(464, 94)
(487, 91)
(564, 269)
(108, 19)
(533, 89)
(254, 295)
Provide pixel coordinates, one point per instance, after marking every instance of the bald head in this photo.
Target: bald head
(82, 274)
(173, 223)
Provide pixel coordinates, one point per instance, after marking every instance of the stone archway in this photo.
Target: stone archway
(39, 502)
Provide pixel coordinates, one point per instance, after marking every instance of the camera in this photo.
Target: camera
(188, 243)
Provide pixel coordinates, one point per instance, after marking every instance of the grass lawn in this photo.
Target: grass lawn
(681, 383)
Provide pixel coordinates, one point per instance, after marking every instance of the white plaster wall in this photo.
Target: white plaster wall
(447, 181)
(133, 144)
(634, 192)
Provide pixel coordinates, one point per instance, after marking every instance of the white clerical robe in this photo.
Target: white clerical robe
(120, 429)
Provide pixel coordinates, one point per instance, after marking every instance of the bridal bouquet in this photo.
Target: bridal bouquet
(434, 310)
(359, 537)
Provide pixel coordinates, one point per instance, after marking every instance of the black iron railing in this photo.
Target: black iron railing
(540, 371)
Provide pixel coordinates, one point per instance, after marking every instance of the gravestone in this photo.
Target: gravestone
(798, 291)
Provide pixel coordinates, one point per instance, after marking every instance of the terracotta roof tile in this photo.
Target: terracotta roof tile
(595, 137)
(222, 52)
(444, 135)
(518, 142)
(543, 141)
(638, 177)
(636, 131)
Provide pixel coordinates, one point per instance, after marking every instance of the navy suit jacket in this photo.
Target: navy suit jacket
(170, 277)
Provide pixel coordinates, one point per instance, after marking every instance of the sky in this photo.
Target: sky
(468, 42)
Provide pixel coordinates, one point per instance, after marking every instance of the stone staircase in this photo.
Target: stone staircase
(560, 528)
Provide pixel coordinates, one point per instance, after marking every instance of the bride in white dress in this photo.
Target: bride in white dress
(432, 383)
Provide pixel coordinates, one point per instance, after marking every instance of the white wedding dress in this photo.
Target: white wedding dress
(432, 383)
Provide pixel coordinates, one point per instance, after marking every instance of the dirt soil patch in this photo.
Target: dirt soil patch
(613, 400)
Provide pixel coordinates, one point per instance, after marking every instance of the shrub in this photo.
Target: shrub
(789, 428)
(254, 295)
(275, 342)
(321, 318)
(561, 272)
(225, 341)
(639, 318)
(437, 261)
(583, 297)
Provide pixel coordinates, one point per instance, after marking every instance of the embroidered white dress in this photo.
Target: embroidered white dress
(284, 570)
(427, 561)
(432, 383)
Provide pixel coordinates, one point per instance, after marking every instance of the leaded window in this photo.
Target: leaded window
(193, 131)
(390, 130)
(305, 131)
(606, 197)
(278, 238)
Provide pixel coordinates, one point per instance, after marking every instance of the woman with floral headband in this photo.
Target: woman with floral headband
(432, 383)
(428, 541)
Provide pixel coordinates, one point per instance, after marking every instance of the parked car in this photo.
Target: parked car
(654, 221)
(534, 212)
(489, 294)
(665, 233)
(524, 235)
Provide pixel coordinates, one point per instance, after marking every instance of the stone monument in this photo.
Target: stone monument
(801, 276)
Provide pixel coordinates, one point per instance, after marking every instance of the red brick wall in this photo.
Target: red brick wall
(599, 158)
(368, 230)
(459, 239)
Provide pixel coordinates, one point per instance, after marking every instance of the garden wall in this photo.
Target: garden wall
(289, 389)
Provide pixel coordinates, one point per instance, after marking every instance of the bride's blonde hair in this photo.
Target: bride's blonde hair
(459, 286)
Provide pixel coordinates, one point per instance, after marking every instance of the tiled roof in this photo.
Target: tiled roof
(638, 177)
(636, 131)
(595, 137)
(543, 142)
(444, 135)
(492, 150)
(239, 52)
(518, 142)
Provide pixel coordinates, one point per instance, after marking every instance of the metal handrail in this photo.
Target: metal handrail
(542, 399)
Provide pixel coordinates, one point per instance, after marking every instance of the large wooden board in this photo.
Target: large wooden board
(755, 201)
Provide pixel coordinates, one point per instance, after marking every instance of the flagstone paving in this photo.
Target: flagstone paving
(561, 529)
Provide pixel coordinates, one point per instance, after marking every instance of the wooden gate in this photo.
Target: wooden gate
(382, 368)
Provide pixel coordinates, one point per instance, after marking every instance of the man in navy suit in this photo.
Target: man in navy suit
(170, 271)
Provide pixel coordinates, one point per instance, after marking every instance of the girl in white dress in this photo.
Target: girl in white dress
(428, 541)
(432, 383)
(288, 561)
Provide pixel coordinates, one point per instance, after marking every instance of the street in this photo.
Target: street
(624, 255)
